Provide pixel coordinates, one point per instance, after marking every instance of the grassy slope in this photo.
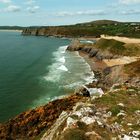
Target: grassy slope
(133, 69)
(95, 28)
(118, 48)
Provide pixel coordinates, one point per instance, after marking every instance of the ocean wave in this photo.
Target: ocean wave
(62, 59)
(58, 67)
(63, 68)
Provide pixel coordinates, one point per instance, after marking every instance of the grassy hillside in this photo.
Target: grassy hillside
(94, 29)
(133, 69)
(11, 28)
(118, 48)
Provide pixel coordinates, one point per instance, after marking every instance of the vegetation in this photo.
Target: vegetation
(113, 46)
(11, 28)
(133, 69)
(94, 29)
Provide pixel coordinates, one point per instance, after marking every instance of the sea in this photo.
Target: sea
(36, 70)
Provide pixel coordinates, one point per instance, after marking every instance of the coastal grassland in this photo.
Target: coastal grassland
(124, 105)
(133, 69)
(34, 122)
(114, 114)
(113, 46)
(94, 28)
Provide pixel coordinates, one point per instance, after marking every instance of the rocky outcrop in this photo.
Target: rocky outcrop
(102, 118)
(30, 124)
(59, 31)
(91, 50)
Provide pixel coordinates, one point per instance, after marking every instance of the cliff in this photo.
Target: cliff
(89, 29)
(30, 124)
(84, 116)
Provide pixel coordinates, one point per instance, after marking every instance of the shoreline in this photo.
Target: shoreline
(5, 30)
(45, 119)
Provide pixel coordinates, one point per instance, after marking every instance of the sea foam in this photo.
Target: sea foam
(58, 67)
(63, 68)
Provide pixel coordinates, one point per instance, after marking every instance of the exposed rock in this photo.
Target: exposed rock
(121, 104)
(93, 52)
(136, 133)
(83, 91)
(126, 137)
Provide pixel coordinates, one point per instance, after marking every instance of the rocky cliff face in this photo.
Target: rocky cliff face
(30, 124)
(112, 116)
(91, 50)
(66, 31)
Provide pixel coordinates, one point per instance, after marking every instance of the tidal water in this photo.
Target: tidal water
(36, 70)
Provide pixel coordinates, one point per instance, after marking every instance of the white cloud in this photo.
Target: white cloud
(33, 9)
(5, 1)
(130, 12)
(12, 8)
(88, 12)
(129, 1)
(30, 2)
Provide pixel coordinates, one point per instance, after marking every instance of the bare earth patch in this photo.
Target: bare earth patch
(120, 61)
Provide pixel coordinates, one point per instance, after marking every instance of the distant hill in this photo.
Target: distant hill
(88, 29)
(100, 22)
(11, 28)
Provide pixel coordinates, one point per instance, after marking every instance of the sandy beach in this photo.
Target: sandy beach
(10, 30)
(101, 65)
(122, 39)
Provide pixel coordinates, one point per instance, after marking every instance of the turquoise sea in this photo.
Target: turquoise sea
(36, 70)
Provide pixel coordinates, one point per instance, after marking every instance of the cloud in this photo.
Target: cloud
(5, 1)
(129, 1)
(12, 8)
(130, 12)
(30, 2)
(88, 12)
(33, 9)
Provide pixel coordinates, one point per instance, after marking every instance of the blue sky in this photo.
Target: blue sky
(61, 12)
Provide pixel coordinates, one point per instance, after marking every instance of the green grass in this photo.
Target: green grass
(111, 45)
(133, 69)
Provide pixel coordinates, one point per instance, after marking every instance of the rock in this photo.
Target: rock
(107, 71)
(88, 120)
(129, 124)
(93, 53)
(137, 112)
(83, 91)
(86, 49)
(121, 104)
(122, 113)
(126, 137)
(71, 122)
(136, 133)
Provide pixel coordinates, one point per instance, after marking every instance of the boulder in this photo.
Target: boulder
(93, 53)
(83, 91)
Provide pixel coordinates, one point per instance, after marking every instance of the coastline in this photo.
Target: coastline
(102, 111)
(3, 30)
(94, 64)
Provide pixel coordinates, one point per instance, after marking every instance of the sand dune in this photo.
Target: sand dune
(122, 39)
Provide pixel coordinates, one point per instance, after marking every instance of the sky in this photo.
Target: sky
(65, 12)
